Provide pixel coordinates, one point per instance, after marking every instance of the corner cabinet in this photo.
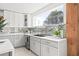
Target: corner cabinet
(46, 47)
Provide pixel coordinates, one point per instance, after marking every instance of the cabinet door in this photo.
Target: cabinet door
(53, 51)
(44, 50)
(16, 19)
(7, 17)
(29, 20)
(32, 44)
(35, 45)
(12, 39)
(48, 50)
(21, 20)
(10, 18)
(19, 41)
(37, 48)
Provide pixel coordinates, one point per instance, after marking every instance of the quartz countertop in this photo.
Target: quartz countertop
(5, 34)
(46, 37)
(32, 34)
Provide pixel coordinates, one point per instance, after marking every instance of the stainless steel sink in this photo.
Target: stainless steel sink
(40, 35)
(2, 41)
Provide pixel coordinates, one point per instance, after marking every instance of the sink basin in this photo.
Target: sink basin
(40, 35)
(2, 41)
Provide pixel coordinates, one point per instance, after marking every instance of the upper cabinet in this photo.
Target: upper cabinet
(14, 19)
(19, 19)
(29, 20)
(1, 12)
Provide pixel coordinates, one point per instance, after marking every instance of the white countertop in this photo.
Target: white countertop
(5, 34)
(46, 37)
(52, 38)
(6, 46)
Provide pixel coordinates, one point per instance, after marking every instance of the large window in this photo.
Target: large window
(50, 17)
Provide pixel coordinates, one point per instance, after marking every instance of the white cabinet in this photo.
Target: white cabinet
(44, 50)
(17, 40)
(19, 20)
(35, 45)
(12, 39)
(32, 44)
(53, 48)
(37, 48)
(29, 20)
(62, 45)
(48, 50)
(3, 37)
(14, 19)
(7, 18)
(53, 51)
(46, 47)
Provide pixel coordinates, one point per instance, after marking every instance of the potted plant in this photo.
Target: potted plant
(2, 23)
(56, 32)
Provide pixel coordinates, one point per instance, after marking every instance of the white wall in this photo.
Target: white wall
(1, 13)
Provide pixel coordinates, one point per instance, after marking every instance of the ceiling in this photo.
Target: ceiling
(23, 7)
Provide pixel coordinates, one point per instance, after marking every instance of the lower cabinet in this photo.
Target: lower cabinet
(17, 40)
(37, 48)
(32, 44)
(44, 50)
(35, 45)
(48, 50)
(53, 51)
(12, 39)
(45, 47)
(3, 37)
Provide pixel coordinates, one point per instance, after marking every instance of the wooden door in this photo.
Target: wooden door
(72, 24)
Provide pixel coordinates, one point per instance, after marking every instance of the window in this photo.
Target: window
(50, 17)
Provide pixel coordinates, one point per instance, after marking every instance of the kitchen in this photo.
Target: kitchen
(31, 36)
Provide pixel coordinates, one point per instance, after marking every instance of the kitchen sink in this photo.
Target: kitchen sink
(2, 41)
(40, 35)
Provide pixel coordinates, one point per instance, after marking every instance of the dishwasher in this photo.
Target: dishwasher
(27, 43)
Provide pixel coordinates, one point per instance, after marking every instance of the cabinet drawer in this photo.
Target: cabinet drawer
(35, 39)
(49, 42)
